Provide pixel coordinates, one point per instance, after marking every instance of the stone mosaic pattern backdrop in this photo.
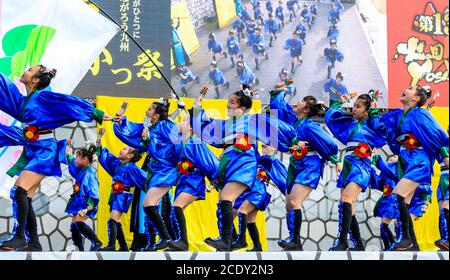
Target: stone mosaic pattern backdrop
(319, 229)
(199, 9)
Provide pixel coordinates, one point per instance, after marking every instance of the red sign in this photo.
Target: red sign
(418, 48)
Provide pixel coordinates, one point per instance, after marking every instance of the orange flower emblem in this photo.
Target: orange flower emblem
(76, 188)
(387, 190)
(362, 150)
(411, 142)
(185, 166)
(262, 175)
(117, 187)
(298, 153)
(242, 142)
(31, 133)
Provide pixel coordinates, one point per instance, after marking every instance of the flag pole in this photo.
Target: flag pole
(138, 45)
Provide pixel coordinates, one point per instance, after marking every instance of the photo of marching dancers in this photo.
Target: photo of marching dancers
(320, 44)
(270, 130)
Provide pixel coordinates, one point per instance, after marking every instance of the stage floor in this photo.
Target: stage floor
(230, 256)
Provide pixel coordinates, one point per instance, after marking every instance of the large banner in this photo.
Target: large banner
(122, 69)
(53, 33)
(418, 48)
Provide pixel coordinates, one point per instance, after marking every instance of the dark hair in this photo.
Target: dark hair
(162, 109)
(366, 99)
(339, 76)
(45, 76)
(136, 155)
(424, 93)
(211, 35)
(245, 96)
(88, 152)
(313, 106)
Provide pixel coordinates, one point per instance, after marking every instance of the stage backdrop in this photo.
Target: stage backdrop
(418, 47)
(201, 215)
(122, 69)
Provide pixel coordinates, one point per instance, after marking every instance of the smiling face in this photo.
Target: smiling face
(81, 161)
(360, 112)
(409, 96)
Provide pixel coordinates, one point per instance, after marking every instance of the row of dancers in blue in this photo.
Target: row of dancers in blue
(180, 157)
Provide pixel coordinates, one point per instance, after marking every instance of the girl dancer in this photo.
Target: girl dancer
(312, 147)
(238, 166)
(83, 202)
(196, 162)
(125, 175)
(160, 139)
(358, 134)
(40, 111)
(419, 139)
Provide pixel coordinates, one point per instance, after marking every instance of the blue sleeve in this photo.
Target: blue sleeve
(210, 44)
(278, 175)
(203, 158)
(58, 109)
(90, 185)
(74, 170)
(428, 131)
(339, 124)
(10, 136)
(285, 112)
(11, 99)
(339, 56)
(391, 121)
(138, 177)
(130, 133)
(109, 162)
(321, 141)
(326, 85)
(343, 90)
(271, 131)
(207, 129)
(388, 170)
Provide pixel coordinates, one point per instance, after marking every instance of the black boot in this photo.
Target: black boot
(412, 232)
(123, 246)
(257, 63)
(224, 242)
(150, 234)
(295, 243)
(18, 241)
(443, 242)
(184, 91)
(355, 236)
(112, 236)
(181, 244)
(329, 72)
(33, 244)
(139, 242)
(403, 242)
(254, 234)
(292, 67)
(85, 230)
(227, 85)
(160, 227)
(225, 55)
(241, 241)
(77, 239)
(270, 43)
(386, 236)
(216, 89)
(345, 220)
(232, 61)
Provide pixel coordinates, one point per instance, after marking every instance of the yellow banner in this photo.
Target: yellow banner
(201, 217)
(226, 12)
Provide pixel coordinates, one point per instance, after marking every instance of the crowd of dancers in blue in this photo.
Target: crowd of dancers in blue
(178, 155)
(253, 30)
